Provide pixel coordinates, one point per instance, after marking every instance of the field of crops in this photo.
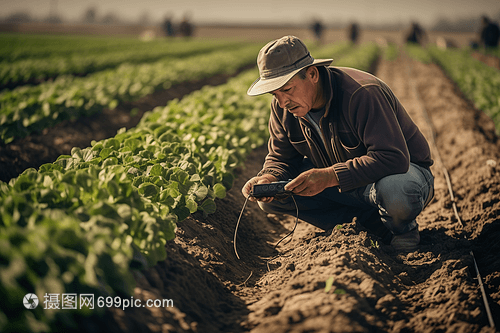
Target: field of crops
(148, 209)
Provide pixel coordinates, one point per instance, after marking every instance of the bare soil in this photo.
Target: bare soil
(374, 288)
(489, 60)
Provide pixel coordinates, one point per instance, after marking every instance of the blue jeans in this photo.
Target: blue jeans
(396, 200)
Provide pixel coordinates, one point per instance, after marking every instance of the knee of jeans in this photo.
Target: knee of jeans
(400, 200)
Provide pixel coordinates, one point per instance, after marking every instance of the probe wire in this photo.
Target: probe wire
(287, 235)
(236, 228)
(275, 246)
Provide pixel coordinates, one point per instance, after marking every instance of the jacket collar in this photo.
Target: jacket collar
(328, 86)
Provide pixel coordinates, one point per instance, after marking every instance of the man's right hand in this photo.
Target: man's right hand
(264, 179)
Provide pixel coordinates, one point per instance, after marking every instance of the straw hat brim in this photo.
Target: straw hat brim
(263, 86)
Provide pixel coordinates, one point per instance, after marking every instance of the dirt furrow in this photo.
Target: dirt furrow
(470, 151)
(449, 295)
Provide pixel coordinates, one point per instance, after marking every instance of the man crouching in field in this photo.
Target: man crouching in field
(346, 142)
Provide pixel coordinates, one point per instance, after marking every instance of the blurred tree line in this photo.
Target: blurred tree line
(466, 24)
(91, 16)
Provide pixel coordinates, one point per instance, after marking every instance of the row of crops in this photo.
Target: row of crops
(479, 82)
(29, 109)
(83, 223)
(56, 56)
(491, 51)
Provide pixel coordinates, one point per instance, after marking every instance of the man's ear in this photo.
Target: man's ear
(313, 73)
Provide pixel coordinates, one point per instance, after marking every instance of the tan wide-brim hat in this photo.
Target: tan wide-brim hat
(279, 60)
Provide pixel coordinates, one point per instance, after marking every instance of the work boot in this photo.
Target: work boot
(407, 242)
(373, 225)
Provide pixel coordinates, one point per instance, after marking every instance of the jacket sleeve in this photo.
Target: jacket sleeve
(374, 120)
(283, 160)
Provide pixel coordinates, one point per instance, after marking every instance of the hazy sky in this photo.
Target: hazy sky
(233, 11)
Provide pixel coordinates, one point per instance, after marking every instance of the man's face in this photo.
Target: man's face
(298, 95)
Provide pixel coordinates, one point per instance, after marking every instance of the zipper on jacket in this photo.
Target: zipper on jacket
(321, 135)
(334, 144)
(318, 149)
(328, 151)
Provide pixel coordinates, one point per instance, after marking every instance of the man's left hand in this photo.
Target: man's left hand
(313, 181)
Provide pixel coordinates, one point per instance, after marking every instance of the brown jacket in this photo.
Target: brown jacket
(366, 131)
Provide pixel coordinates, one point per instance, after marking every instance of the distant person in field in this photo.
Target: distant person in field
(317, 29)
(416, 34)
(347, 143)
(168, 27)
(353, 32)
(186, 28)
(489, 34)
